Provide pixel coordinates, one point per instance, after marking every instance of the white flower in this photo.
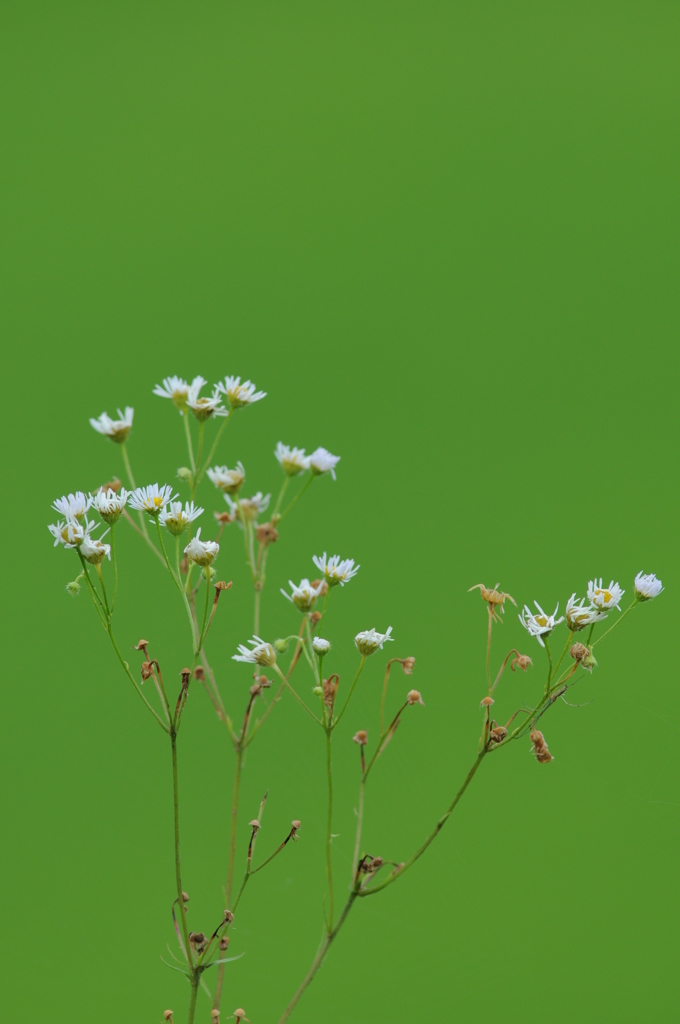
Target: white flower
(647, 587)
(204, 408)
(605, 597)
(73, 506)
(369, 641)
(336, 570)
(228, 480)
(578, 616)
(239, 394)
(202, 552)
(177, 389)
(321, 461)
(304, 596)
(151, 499)
(293, 460)
(117, 430)
(321, 646)
(93, 551)
(261, 654)
(110, 505)
(248, 509)
(539, 625)
(176, 518)
(69, 533)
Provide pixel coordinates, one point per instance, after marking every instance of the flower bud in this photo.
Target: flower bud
(281, 646)
(184, 473)
(407, 665)
(318, 691)
(413, 697)
(73, 588)
(486, 702)
(583, 656)
(361, 737)
(321, 646)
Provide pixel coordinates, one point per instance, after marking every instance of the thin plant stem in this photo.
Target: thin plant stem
(566, 648)
(547, 651)
(144, 536)
(190, 447)
(201, 432)
(351, 690)
(284, 488)
(178, 857)
(297, 697)
(115, 567)
(134, 681)
(360, 821)
(133, 485)
(488, 650)
(329, 826)
(103, 586)
(298, 495)
(240, 752)
(192, 1003)
(185, 598)
(630, 607)
(201, 472)
(205, 611)
(384, 695)
(256, 616)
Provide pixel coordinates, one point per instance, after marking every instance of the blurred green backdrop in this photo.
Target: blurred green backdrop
(444, 239)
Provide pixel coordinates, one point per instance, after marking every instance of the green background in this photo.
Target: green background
(444, 239)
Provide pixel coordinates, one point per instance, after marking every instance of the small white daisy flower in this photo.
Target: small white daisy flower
(73, 506)
(304, 596)
(369, 641)
(321, 646)
(605, 597)
(239, 394)
(293, 460)
(110, 505)
(69, 533)
(647, 587)
(321, 461)
(177, 390)
(261, 654)
(539, 625)
(202, 552)
(151, 499)
(578, 616)
(228, 480)
(176, 519)
(93, 551)
(204, 408)
(250, 508)
(117, 430)
(335, 569)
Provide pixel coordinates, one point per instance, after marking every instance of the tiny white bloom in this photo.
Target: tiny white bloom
(321, 461)
(73, 506)
(93, 551)
(304, 596)
(69, 533)
(369, 641)
(204, 408)
(647, 587)
(110, 505)
(176, 519)
(228, 480)
(293, 460)
(605, 597)
(262, 653)
(539, 625)
(578, 616)
(250, 508)
(239, 394)
(202, 552)
(321, 646)
(117, 430)
(335, 569)
(177, 390)
(151, 499)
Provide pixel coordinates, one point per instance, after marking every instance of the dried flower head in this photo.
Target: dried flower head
(266, 534)
(583, 656)
(521, 661)
(486, 702)
(360, 737)
(647, 587)
(240, 1014)
(228, 480)
(495, 600)
(498, 733)
(116, 430)
(224, 943)
(329, 690)
(413, 697)
(407, 665)
(539, 748)
(168, 1016)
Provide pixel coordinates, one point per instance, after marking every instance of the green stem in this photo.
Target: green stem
(115, 567)
(566, 648)
(298, 495)
(195, 981)
(133, 485)
(178, 857)
(488, 650)
(298, 698)
(329, 825)
(201, 473)
(360, 821)
(231, 861)
(178, 581)
(101, 581)
(351, 690)
(630, 607)
(547, 651)
(134, 681)
(194, 482)
(319, 958)
(190, 447)
(284, 488)
(433, 834)
(205, 610)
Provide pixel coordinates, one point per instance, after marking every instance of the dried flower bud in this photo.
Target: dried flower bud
(140, 647)
(296, 824)
(185, 897)
(240, 1014)
(224, 517)
(498, 733)
(407, 665)
(361, 737)
(221, 585)
(413, 697)
(113, 485)
(184, 565)
(486, 702)
(321, 588)
(583, 656)
(228, 916)
(521, 661)
(539, 747)
(494, 598)
(168, 1016)
(224, 943)
(185, 674)
(330, 689)
(267, 533)
(376, 863)
(199, 673)
(254, 824)
(315, 617)
(215, 1014)
(196, 937)
(146, 669)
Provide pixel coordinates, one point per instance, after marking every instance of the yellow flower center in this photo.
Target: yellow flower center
(541, 620)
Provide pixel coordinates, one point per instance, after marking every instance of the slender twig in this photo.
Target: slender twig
(630, 607)
(351, 690)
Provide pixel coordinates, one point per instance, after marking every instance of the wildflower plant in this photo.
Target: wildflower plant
(174, 528)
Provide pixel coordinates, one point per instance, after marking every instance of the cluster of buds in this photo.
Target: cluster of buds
(261, 683)
(497, 733)
(198, 942)
(583, 656)
(539, 747)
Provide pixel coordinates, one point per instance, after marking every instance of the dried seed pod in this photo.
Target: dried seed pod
(361, 737)
(539, 747)
(413, 697)
(486, 702)
(407, 665)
